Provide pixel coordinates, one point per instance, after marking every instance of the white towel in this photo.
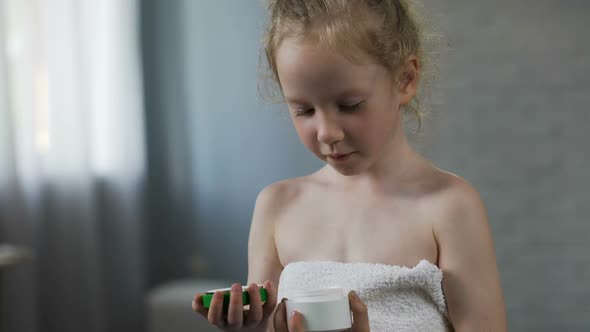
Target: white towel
(397, 298)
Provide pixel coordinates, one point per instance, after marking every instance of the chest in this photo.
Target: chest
(356, 229)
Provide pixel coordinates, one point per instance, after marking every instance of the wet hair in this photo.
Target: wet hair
(388, 31)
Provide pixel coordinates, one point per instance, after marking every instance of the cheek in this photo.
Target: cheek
(377, 131)
(306, 133)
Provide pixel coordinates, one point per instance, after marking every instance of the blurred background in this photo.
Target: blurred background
(133, 143)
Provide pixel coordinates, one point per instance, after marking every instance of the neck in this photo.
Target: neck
(388, 172)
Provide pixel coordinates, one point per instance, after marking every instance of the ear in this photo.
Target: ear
(408, 80)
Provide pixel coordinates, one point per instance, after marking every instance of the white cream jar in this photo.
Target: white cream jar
(325, 310)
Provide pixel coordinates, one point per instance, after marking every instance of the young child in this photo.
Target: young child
(412, 240)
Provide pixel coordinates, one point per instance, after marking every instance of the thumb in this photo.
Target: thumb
(360, 313)
(296, 322)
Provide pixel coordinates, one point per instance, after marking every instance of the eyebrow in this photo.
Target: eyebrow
(346, 93)
(294, 101)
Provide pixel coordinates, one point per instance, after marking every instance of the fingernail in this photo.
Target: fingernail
(354, 294)
(292, 314)
(283, 300)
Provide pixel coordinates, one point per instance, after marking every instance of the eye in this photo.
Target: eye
(304, 111)
(350, 108)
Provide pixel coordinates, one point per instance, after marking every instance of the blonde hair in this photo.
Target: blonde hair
(386, 30)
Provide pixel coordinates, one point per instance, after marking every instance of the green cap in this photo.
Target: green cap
(208, 296)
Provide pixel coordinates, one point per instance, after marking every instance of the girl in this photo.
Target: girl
(378, 217)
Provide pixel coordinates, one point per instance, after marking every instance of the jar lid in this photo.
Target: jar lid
(315, 295)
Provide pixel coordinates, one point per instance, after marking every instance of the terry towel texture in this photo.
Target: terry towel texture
(397, 298)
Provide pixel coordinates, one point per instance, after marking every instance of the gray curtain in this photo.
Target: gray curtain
(72, 164)
(171, 204)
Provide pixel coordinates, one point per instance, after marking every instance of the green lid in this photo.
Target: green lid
(208, 296)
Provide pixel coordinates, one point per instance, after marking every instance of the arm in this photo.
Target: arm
(263, 259)
(264, 266)
(471, 282)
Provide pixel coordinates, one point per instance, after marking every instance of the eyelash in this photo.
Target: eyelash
(343, 108)
(350, 108)
(302, 112)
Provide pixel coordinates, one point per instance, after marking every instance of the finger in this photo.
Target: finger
(255, 312)
(271, 299)
(215, 315)
(198, 305)
(235, 314)
(296, 323)
(280, 318)
(359, 312)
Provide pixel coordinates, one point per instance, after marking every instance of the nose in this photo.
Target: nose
(329, 131)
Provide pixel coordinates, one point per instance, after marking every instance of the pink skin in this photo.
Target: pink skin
(255, 319)
(236, 318)
(347, 114)
(296, 323)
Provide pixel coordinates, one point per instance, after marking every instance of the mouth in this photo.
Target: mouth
(339, 157)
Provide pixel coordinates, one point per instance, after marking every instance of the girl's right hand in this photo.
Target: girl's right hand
(296, 323)
(236, 318)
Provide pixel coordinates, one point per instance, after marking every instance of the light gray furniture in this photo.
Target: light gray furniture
(170, 309)
(10, 256)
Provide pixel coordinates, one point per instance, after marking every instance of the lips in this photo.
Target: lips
(339, 156)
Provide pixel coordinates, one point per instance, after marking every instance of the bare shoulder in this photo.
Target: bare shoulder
(270, 203)
(471, 281)
(263, 259)
(448, 199)
(460, 217)
(275, 197)
(458, 201)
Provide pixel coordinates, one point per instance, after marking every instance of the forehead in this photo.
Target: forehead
(305, 69)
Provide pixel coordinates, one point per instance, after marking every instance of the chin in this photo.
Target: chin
(346, 171)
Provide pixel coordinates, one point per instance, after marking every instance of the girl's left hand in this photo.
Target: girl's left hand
(295, 324)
